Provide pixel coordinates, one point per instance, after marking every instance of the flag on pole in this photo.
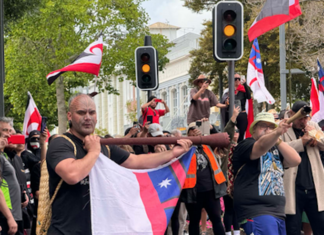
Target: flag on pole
(314, 97)
(125, 201)
(255, 77)
(89, 61)
(250, 116)
(273, 14)
(33, 119)
(319, 116)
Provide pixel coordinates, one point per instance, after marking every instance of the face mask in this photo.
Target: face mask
(34, 145)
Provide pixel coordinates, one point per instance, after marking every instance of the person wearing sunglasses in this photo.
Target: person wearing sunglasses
(242, 93)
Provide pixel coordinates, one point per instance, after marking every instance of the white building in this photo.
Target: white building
(173, 88)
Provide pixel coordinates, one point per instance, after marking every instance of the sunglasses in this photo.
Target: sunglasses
(237, 79)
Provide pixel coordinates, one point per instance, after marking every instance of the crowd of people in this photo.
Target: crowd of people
(265, 185)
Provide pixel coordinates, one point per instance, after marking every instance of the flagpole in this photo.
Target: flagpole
(289, 56)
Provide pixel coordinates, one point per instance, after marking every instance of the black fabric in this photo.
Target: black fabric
(30, 159)
(230, 215)
(241, 123)
(258, 187)
(139, 149)
(204, 176)
(243, 96)
(304, 177)
(71, 207)
(212, 206)
(35, 180)
(306, 200)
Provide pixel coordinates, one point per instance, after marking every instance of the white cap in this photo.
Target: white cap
(155, 129)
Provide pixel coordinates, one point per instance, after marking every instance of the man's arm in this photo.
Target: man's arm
(167, 110)
(291, 157)
(144, 106)
(71, 170)
(147, 161)
(201, 90)
(7, 213)
(220, 105)
(262, 145)
(230, 126)
(42, 143)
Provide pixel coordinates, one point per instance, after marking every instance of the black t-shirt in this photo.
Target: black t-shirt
(304, 177)
(258, 187)
(139, 149)
(71, 207)
(34, 182)
(204, 176)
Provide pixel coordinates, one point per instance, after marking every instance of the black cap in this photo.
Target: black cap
(34, 132)
(151, 98)
(298, 105)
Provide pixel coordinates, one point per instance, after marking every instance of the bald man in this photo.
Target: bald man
(71, 207)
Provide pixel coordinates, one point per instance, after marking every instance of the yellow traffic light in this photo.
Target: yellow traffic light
(229, 30)
(146, 68)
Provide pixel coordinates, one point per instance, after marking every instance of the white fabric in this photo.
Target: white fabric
(109, 182)
(260, 92)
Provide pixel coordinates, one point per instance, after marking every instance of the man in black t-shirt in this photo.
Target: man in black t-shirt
(71, 207)
(258, 164)
(304, 184)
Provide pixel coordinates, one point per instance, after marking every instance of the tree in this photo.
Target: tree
(52, 38)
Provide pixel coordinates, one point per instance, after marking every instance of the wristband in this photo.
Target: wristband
(279, 142)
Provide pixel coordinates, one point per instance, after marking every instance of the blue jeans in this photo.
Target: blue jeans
(265, 225)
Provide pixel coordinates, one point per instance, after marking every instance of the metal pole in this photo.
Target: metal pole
(283, 88)
(2, 68)
(138, 103)
(289, 59)
(231, 67)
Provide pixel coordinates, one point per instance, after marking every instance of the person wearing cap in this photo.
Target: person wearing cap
(201, 100)
(203, 187)
(304, 184)
(258, 166)
(148, 109)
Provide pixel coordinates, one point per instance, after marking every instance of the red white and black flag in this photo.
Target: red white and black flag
(273, 14)
(33, 119)
(88, 61)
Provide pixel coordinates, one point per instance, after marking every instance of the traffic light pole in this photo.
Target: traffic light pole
(231, 67)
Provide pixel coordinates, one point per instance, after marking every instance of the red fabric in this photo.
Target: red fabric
(240, 88)
(268, 23)
(250, 117)
(157, 113)
(314, 97)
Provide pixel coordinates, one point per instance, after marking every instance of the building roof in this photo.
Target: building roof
(160, 25)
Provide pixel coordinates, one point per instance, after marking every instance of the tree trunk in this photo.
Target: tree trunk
(61, 109)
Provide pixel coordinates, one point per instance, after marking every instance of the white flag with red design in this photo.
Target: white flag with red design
(33, 119)
(255, 77)
(89, 61)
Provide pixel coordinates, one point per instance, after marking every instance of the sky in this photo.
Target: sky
(174, 13)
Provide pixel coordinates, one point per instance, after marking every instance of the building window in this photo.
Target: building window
(185, 99)
(174, 102)
(165, 97)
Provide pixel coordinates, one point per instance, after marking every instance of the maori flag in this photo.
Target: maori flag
(88, 61)
(273, 14)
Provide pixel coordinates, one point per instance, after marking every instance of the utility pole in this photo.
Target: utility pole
(2, 68)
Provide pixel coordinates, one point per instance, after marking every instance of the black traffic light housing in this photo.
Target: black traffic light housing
(146, 66)
(228, 30)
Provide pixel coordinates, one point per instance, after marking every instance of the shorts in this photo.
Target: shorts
(265, 225)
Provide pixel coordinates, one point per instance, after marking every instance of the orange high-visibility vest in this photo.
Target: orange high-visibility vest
(191, 178)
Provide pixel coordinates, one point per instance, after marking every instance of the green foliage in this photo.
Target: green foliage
(56, 33)
(101, 131)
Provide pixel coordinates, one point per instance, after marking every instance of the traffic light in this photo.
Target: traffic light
(146, 65)
(228, 30)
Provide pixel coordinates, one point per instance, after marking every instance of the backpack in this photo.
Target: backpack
(44, 212)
